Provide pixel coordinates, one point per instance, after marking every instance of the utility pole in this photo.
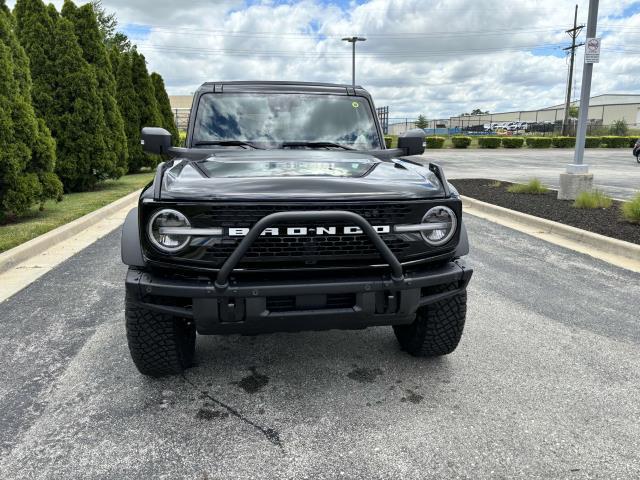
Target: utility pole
(353, 41)
(573, 33)
(577, 177)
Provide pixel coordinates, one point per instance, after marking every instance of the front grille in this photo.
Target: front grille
(341, 250)
(276, 247)
(243, 215)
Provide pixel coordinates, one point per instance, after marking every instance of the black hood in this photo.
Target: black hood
(297, 174)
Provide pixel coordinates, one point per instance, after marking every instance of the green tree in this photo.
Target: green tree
(421, 122)
(127, 101)
(619, 127)
(95, 53)
(574, 111)
(144, 106)
(164, 107)
(108, 24)
(35, 30)
(27, 151)
(73, 110)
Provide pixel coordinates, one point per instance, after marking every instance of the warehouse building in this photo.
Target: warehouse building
(181, 106)
(604, 110)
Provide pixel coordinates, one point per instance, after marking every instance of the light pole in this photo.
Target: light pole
(577, 178)
(352, 41)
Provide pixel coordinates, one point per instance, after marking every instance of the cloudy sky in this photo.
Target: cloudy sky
(436, 57)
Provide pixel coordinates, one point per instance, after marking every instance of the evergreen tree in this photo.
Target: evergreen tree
(27, 151)
(421, 122)
(127, 102)
(34, 29)
(164, 107)
(95, 53)
(147, 105)
(73, 110)
(143, 110)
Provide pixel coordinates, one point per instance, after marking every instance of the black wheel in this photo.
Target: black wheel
(638, 158)
(437, 328)
(159, 344)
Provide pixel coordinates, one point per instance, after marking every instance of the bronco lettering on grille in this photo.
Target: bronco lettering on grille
(305, 231)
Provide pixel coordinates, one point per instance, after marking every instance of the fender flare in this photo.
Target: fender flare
(463, 244)
(130, 250)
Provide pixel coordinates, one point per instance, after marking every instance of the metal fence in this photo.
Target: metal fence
(542, 129)
(383, 115)
(552, 129)
(181, 117)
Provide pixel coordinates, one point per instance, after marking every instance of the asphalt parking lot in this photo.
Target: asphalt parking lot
(615, 170)
(545, 384)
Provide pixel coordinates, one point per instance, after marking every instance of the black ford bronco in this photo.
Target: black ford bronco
(286, 211)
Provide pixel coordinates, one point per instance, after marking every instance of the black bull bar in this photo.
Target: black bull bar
(222, 280)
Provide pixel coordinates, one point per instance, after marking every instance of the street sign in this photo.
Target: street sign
(592, 50)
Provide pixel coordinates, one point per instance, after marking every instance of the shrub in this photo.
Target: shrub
(619, 127)
(631, 209)
(538, 142)
(461, 142)
(533, 186)
(595, 199)
(632, 141)
(512, 142)
(391, 141)
(489, 142)
(563, 142)
(615, 142)
(593, 142)
(434, 142)
(183, 138)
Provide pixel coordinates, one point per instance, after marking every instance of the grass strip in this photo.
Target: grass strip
(73, 205)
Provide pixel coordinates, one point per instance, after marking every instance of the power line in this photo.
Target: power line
(247, 33)
(335, 54)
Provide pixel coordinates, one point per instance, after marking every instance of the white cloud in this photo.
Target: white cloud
(437, 57)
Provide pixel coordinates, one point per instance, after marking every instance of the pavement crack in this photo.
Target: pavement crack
(270, 434)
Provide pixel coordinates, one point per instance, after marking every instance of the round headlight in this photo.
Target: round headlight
(164, 220)
(444, 223)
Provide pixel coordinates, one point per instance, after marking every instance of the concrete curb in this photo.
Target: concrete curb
(594, 241)
(35, 246)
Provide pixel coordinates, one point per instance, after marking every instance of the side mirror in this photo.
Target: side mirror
(412, 142)
(156, 140)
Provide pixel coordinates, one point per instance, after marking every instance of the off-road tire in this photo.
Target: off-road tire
(437, 328)
(159, 344)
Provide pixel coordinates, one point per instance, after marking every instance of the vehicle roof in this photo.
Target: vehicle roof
(292, 86)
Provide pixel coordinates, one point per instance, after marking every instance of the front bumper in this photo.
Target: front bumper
(264, 306)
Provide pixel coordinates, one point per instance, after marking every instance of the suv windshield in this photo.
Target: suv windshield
(273, 119)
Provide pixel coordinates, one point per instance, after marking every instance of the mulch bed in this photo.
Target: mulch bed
(607, 222)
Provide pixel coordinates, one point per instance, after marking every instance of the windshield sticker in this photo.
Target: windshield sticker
(355, 104)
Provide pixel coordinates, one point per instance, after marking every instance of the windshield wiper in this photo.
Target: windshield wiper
(229, 143)
(315, 145)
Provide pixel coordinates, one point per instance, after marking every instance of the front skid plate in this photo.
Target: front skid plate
(246, 308)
